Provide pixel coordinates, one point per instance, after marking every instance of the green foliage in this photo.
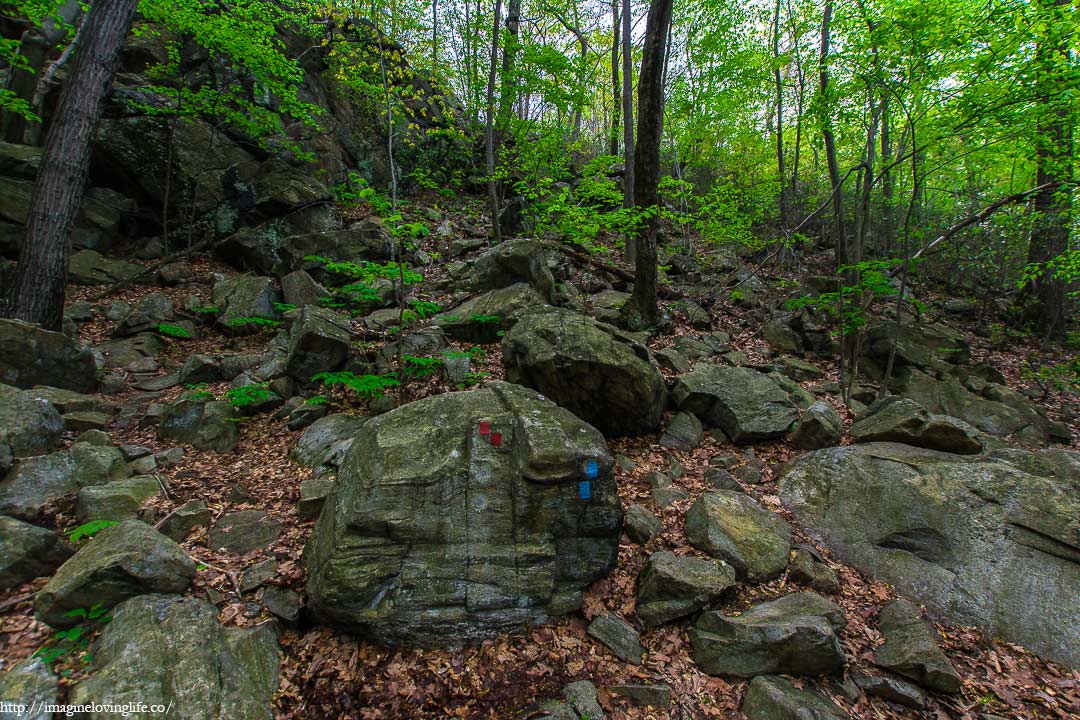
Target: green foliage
(356, 191)
(317, 400)
(76, 639)
(282, 307)
(425, 309)
(367, 272)
(261, 323)
(849, 303)
(364, 386)
(473, 378)
(89, 530)
(206, 310)
(485, 319)
(1061, 376)
(248, 396)
(174, 331)
(420, 367)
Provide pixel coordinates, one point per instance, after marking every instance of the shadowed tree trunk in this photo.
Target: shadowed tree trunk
(493, 74)
(616, 97)
(647, 160)
(628, 121)
(38, 293)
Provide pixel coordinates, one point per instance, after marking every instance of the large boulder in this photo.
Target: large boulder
(120, 562)
(243, 301)
(746, 404)
(209, 425)
(40, 481)
(988, 540)
(485, 318)
(443, 530)
(132, 353)
(670, 586)
(599, 373)
(820, 426)
(922, 346)
(89, 267)
(31, 356)
(28, 551)
(897, 419)
(733, 527)
(515, 261)
(28, 425)
(171, 651)
(795, 635)
(320, 340)
(26, 689)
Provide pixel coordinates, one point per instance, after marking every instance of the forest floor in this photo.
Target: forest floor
(327, 674)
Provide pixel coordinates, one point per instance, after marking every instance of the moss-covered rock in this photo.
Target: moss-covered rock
(437, 534)
(746, 404)
(31, 356)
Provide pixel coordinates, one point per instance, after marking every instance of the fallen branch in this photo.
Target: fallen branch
(18, 599)
(988, 211)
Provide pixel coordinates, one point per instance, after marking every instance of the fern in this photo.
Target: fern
(174, 331)
(89, 530)
(248, 395)
(419, 367)
(365, 386)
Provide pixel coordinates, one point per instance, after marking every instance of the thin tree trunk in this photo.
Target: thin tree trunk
(616, 99)
(781, 174)
(888, 232)
(628, 122)
(493, 74)
(1045, 299)
(38, 292)
(842, 254)
(647, 161)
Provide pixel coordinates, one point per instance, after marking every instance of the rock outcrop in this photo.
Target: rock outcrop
(464, 515)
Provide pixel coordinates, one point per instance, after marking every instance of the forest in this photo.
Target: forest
(539, 359)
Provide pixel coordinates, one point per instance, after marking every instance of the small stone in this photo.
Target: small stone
(819, 427)
(95, 437)
(282, 602)
(684, 432)
(641, 525)
(808, 571)
(721, 479)
(775, 698)
(658, 696)
(670, 586)
(258, 574)
(183, 520)
(893, 689)
(117, 500)
(169, 458)
(911, 650)
(624, 464)
(733, 527)
(313, 494)
(28, 551)
(618, 636)
(244, 531)
(582, 698)
(79, 421)
(26, 688)
(134, 452)
(144, 465)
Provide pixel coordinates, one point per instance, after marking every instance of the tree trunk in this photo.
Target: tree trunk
(781, 174)
(34, 48)
(38, 292)
(842, 250)
(647, 160)
(628, 121)
(616, 99)
(493, 74)
(1045, 300)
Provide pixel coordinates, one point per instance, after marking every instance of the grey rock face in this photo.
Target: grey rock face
(31, 684)
(243, 531)
(28, 552)
(747, 405)
(178, 524)
(684, 432)
(324, 443)
(670, 587)
(641, 525)
(149, 312)
(985, 540)
(911, 650)
(482, 318)
(775, 698)
(619, 637)
(39, 481)
(733, 527)
(117, 500)
(223, 672)
(434, 535)
(819, 427)
(511, 262)
(320, 341)
(206, 425)
(597, 372)
(120, 562)
(31, 356)
(28, 425)
(243, 297)
(897, 419)
(795, 635)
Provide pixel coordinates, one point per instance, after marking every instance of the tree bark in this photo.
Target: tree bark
(38, 292)
(493, 74)
(1045, 300)
(616, 98)
(647, 160)
(628, 121)
(781, 173)
(842, 250)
